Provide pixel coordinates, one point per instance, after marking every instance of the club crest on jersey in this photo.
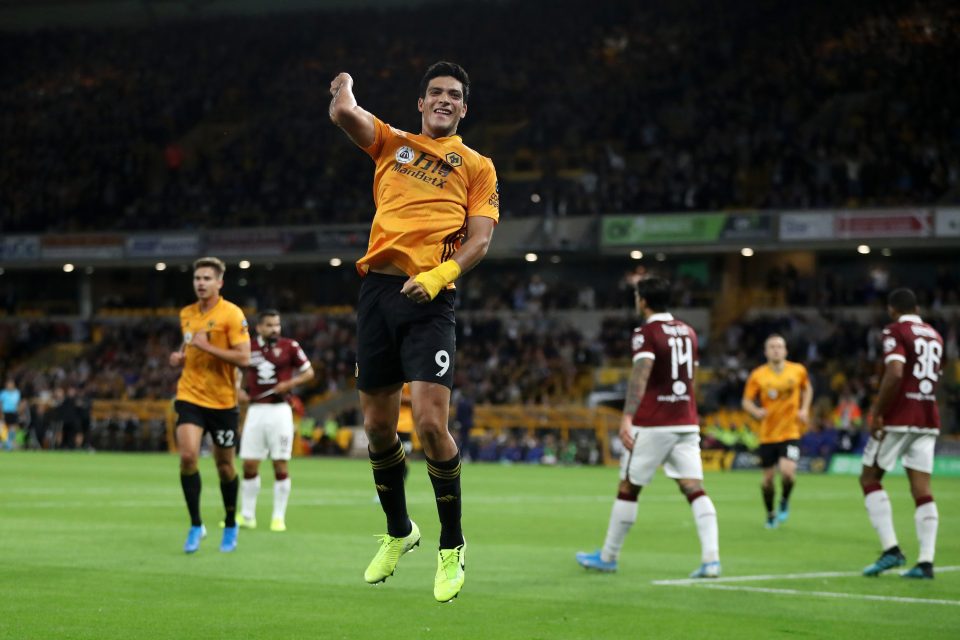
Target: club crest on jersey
(424, 167)
(773, 394)
(266, 372)
(188, 337)
(453, 159)
(277, 351)
(404, 155)
(211, 324)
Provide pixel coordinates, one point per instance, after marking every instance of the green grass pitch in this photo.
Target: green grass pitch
(90, 547)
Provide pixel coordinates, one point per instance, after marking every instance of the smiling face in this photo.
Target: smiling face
(206, 283)
(442, 106)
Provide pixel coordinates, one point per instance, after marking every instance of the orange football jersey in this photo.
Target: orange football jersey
(779, 394)
(206, 380)
(424, 190)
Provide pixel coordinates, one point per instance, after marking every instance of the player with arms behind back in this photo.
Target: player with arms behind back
(785, 394)
(437, 205)
(277, 366)
(904, 422)
(215, 342)
(660, 425)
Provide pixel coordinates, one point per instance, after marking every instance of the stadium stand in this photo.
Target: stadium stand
(200, 125)
(529, 375)
(223, 123)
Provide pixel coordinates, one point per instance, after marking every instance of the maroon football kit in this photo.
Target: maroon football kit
(669, 399)
(270, 364)
(920, 348)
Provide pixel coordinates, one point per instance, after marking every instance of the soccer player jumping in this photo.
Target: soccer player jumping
(660, 425)
(437, 205)
(904, 422)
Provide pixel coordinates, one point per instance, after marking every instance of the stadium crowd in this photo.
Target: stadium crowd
(223, 122)
(507, 358)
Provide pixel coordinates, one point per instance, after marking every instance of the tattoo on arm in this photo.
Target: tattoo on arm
(638, 384)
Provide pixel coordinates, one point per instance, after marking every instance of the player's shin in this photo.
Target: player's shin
(880, 512)
(705, 517)
(388, 469)
(768, 494)
(191, 494)
(281, 495)
(786, 485)
(229, 490)
(927, 519)
(250, 489)
(445, 478)
(622, 516)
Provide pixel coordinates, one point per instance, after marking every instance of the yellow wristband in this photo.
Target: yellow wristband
(439, 277)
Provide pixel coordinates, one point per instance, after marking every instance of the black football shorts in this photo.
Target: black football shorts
(221, 424)
(399, 340)
(771, 452)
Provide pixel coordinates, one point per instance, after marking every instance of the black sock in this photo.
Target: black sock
(191, 493)
(445, 477)
(388, 471)
(768, 498)
(786, 487)
(229, 491)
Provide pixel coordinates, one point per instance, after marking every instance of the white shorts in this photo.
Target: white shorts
(679, 453)
(916, 449)
(267, 431)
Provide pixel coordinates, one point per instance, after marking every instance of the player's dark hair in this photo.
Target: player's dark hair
(655, 292)
(214, 263)
(443, 68)
(902, 300)
(267, 313)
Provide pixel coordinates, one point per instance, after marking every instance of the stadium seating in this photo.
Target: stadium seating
(656, 108)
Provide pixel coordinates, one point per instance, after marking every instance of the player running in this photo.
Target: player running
(785, 395)
(904, 422)
(660, 425)
(277, 366)
(215, 342)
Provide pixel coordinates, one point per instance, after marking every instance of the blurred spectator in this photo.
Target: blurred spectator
(10, 398)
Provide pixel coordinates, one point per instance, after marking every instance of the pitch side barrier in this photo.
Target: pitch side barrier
(850, 465)
(563, 418)
(147, 413)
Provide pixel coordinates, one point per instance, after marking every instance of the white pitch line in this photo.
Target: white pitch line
(783, 576)
(831, 594)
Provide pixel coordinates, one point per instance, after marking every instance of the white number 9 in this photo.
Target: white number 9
(443, 361)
